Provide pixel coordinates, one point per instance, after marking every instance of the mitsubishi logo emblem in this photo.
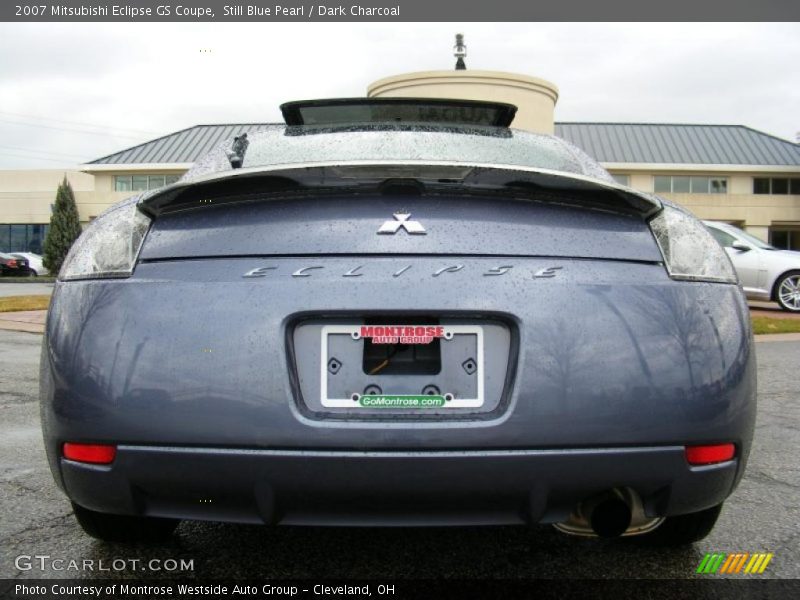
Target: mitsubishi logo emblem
(401, 221)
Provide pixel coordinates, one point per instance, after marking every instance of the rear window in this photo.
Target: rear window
(412, 144)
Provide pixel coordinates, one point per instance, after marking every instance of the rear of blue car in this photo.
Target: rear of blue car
(398, 344)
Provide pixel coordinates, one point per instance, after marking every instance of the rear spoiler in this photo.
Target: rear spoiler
(430, 111)
(263, 183)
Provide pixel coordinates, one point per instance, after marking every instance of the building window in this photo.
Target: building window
(785, 238)
(780, 186)
(776, 185)
(718, 185)
(142, 183)
(22, 237)
(699, 184)
(139, 183)
(662, 185)
(681, 185)
(761, 185)
(122, 183)
(621, 179)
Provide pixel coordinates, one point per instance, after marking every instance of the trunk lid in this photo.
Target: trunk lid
(388, 224)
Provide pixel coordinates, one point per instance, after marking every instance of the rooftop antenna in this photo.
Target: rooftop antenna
(460, 52)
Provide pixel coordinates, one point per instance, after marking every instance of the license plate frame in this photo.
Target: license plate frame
(450, 400)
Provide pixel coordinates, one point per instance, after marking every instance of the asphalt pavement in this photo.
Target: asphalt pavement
(761, 516)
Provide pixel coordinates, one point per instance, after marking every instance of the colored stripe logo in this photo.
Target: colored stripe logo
(734, 563)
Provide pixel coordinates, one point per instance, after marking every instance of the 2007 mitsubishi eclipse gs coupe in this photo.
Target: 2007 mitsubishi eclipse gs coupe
(398, 312)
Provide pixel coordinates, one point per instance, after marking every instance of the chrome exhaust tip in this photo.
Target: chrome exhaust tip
(609, 515)
(615, 513)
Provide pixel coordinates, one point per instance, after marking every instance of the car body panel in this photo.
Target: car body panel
(192, 353)
(453, 226)
(751, 270)
(758, 268)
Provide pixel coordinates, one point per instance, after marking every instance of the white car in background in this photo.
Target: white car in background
(34, 262)
(766, 273)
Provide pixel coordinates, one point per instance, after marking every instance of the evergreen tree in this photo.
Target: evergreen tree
(65, 227)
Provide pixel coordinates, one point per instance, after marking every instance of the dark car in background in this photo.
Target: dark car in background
(398, 312)
(14, 266)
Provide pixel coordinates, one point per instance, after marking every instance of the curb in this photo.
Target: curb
(26, 280)
(777, 337)
(24, 327)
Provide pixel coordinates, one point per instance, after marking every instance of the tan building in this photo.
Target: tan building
(721, 172)
(26, 198)
(534, 98)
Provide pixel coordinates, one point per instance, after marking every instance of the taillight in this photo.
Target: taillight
(98, 454)
(706, 455)
(109, 246)
(690, 251)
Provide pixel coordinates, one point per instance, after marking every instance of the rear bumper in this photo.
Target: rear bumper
(187, 360)
(489, 487)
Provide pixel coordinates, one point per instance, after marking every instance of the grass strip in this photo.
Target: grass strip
(17, 303)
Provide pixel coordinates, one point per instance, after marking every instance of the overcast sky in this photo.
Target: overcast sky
(70, 93)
